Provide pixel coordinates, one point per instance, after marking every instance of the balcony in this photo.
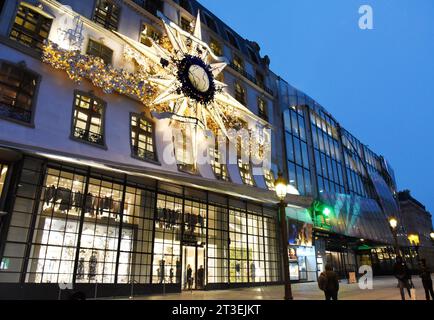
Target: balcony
(251, 78)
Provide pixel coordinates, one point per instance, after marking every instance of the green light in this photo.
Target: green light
(326, 211)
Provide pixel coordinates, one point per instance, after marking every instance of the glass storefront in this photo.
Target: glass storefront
(77, 225)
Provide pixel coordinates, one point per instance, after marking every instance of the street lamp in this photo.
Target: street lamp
(414, 241)
(393, 222)
(432, 235)
(281, 189)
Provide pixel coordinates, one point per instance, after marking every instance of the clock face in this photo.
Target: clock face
(198, 78)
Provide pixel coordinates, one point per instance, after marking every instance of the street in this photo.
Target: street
(385, 288)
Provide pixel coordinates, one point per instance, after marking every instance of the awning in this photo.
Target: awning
(223, 187)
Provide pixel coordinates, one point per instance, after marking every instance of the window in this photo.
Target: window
(211, 23)
(149, 32)
(232, 39)
(153, 6)
(185, 4)
(260, 80)
(31, 26)
(17, 92)
(184, 150)
(185, 24)
(97, 49)
(262, 109)
(240, 93)
(216, 47)
(218, 163)
(245, 168)
(107, 14)
(269, 179)
(3, 172)
(238, 63)
(88, 118)
(253, 55)
(142, 138)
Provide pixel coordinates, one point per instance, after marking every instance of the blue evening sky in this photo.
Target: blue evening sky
(377, 83)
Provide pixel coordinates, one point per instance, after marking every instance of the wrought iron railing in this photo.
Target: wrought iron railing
(88, 136)
(13, 112)
(251, 78)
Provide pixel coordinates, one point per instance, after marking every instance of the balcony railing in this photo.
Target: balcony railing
(16, 113)
(143, 154)
(88, 136)
(251, 78)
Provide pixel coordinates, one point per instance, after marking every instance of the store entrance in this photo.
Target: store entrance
(193, 269)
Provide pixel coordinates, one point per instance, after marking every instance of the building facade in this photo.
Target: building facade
(107, 110)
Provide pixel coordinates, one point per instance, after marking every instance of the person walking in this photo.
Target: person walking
(425, 275)
(402, 273)
(329, 283)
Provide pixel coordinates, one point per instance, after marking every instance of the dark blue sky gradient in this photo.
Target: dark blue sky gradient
(377, 83)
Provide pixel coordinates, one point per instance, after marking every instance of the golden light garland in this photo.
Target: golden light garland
(82, 66)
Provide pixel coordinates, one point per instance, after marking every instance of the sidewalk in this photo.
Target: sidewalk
(385, 288)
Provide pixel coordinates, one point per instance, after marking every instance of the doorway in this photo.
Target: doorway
(193, 269)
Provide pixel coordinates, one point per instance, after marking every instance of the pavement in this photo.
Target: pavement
(384, 288)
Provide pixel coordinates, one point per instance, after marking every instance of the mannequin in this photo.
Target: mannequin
(80, 268)
(93, 261)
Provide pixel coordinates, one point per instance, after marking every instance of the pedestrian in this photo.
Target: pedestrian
(189, 277)
(200, 277)
(402, 273)
(329, 283)
(425, 274)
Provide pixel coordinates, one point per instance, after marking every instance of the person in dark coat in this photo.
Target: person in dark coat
(425, 275)
(200, 277)
(330, 283)
(402, 273)
(189, 277)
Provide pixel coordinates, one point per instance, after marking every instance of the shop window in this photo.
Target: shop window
(185, 24)
(88, 121)
(142, 138)
(17, 92)
(240, 93)
(232, 39)
(216, 47)
(262, 109)
(149, 33)
(97, 49)
(218, 163)
(107, 14)
(238, 253)
(31, 26)
(3, 173)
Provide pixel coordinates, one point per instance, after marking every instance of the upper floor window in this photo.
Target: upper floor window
(269, 179)
(238, 63)
(185, 4)
(149, 32)
(210, 22)
(182, 139)
(244, 168)
(262, 109)
(216, 47)
(142, 138)
(88, 121)
(253, 55)
(31, 26)
(3, 172)
(17, 92)
(107, 14)
(218, 163)
(185, 24)
(99, 50)
(260, 79)
(240, 93)
(232, 39)
(153, 6)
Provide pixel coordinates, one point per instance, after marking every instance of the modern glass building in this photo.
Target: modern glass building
(106, 108)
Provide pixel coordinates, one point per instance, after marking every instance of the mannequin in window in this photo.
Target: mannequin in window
(178, 271)
(237, 270)
(252, 271)
(80, 268)
(189, 277)
(93, 261)
(200, 277)
(162, 269)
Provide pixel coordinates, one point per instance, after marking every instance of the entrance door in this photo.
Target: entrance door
(193, 269)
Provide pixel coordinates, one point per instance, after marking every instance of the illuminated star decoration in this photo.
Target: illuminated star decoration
(186, 79)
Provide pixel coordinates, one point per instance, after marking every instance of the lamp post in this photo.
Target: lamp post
(281, 189)
(393, 223)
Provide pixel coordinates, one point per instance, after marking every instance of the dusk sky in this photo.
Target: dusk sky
(377, 83)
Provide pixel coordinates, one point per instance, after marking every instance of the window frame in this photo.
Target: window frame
(133, 154)
(38, 78)
(230, 36)
(237, 82)
(107, 24)
(264, 113)
(93, 97)
(90, 40)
